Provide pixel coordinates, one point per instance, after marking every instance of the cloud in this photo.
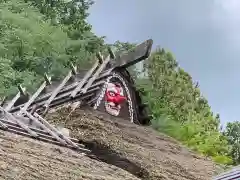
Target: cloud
(230, 7)
(226, 13)
(225, 17)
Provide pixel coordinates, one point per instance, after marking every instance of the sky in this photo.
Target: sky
(204, 37)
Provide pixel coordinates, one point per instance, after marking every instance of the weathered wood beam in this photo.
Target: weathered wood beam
(139, 53)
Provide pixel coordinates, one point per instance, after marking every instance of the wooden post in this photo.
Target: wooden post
(86, 77)
(58, 89)
(22, 125)
(12, 102)
(96, 74)
(36, 94)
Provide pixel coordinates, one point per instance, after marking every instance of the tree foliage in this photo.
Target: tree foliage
(31, 44)
(232, 132)
(179, 109)
(71, 16)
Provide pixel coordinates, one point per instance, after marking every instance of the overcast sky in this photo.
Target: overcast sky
(204, 36)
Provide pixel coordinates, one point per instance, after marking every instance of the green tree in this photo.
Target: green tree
(179, 109)
(232, 133)
(31, 44)
(71, 17)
